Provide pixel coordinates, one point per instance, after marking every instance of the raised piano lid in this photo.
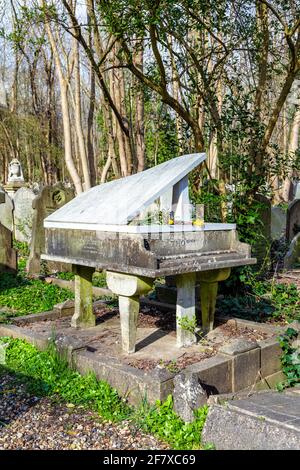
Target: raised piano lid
(111, 206)
(118, 202)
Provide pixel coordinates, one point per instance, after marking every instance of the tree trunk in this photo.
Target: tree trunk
(63, 83)
(78, 125)
(293, 146)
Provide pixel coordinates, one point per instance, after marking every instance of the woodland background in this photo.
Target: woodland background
(93, 90)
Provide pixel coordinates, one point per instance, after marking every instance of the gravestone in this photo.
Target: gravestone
(278, 222)
(6, 210)
(15, 178)
(292, 257)
(8, 256)
(23, 214)
(293, 220)
(261, 249)
(297, 190)
(49, 200)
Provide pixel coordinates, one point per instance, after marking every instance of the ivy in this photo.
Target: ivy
(290, 359)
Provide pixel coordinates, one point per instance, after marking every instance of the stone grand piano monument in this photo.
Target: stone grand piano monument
(105, 228)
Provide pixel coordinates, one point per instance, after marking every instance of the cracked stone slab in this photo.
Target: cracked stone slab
(265, 421)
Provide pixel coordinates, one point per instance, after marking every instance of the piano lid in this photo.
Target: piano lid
(118, 202)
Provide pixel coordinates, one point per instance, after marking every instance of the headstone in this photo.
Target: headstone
(293, 220)
(6, 210)
(297, 190)
(261, 249)
(292, 257)
(49, 200)
(278, 222)
(23, 214)
(8, 256)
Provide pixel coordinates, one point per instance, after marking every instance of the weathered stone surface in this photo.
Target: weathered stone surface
(8, 255)
(246, 369)
(49, 200)
(36, 317)
(134, 384)
(293, 220)
(266, 421)
(65, 308)
(293, 254)
(185, 309)
(66, 346)
(188, 395)
(128, 288)
(270, 353)
(6, 210)
(278, 222)
(208, 294)
(238, 346)
(23, 214)
(215, 374)
(168, 294)
(83, 313)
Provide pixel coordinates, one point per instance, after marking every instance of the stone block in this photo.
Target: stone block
(65, 309)
(188, 396)
(238, 346)
(133, 384)
(270, 353)
(214, 373)
(246, 369)
(230, 428)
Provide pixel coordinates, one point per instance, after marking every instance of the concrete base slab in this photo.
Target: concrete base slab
(265, 421)
(149, 372)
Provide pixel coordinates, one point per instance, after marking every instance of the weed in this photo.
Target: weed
(290, 359)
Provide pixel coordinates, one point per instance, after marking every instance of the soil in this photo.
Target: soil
(152, 317)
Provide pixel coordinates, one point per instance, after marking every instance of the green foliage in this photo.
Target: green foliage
(65, 276)
(25, 296)
(48, 374)
(22, 247)
(99, 280)
(160, 139)
(162, 421)
(45, 373)
(188, 324)
(260, 299)
(290, 359)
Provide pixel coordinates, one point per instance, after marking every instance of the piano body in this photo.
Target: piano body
(115, 227)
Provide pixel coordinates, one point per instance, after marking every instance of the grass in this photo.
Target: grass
(99, 279)
(20, 295)
(47, 374)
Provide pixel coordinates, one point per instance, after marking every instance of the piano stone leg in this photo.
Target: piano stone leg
(128, 288)
(129, 311)
(83, 316)
(208, 294)
(185, 309)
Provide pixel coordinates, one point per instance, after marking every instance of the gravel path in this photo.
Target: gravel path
(30, 422)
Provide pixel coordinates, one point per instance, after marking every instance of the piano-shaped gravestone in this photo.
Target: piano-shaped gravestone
(108, 227)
